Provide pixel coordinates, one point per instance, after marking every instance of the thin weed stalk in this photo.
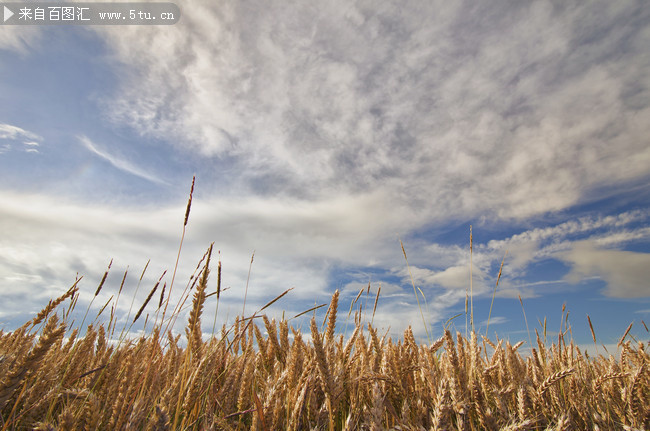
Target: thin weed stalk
(494, 293)
(471, 278)
(248, 277)
(426, 329)
(180, 246)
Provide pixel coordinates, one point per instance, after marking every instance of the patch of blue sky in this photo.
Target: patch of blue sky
(58, 89)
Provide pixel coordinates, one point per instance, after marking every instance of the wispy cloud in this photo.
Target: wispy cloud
(494, 320)
(506, 118)
(562, 243)
(46, 242)
(19, 40)
(28, 139)
(119, 163)
(549, 242)
(570, 228)
(453, 277)
(31, 146)
(7, 131)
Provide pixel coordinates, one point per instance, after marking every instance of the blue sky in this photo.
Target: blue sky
(322, 134)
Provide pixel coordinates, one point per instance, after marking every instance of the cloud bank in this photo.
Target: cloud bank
(625, 272)
(508, 109)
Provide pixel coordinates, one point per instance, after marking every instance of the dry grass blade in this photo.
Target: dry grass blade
(374, 308)
(232, 415)
(593, 334)
(101, 283)
(137, 315)
(645, 326)
(523, 310)
(354, 302)
(162, 295)
(627, 331)
(494, 293)
(268, 304)
(248, 278)
(309, 310)
(426, 329)
(189, 202)
(180, 246)
(219, 278)
(471, 280)
(101, 310)
(123, 281)
(94, 370)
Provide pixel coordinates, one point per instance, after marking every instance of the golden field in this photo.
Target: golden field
(263, 374)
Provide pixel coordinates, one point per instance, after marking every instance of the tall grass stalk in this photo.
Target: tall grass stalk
(180, 246)
(99, 288)
(248, 278)
(530, 340)
(218, 293)
(495, 292)
(471, 278)
(426, 329)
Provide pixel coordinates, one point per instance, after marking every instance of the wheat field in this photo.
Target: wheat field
(263, 374)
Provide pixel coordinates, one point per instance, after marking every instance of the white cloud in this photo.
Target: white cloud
(508, 288)
(625, 272)
(354, 287)
(29, 139)
(119, 163)
(453, 277)
(435, 265)
(571, 227)
(14, 133)
(548, 242)
(49, 240)
(447, 118)
(623, 236)
(494, 320)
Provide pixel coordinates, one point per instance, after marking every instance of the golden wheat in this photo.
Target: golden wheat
(260, 373)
